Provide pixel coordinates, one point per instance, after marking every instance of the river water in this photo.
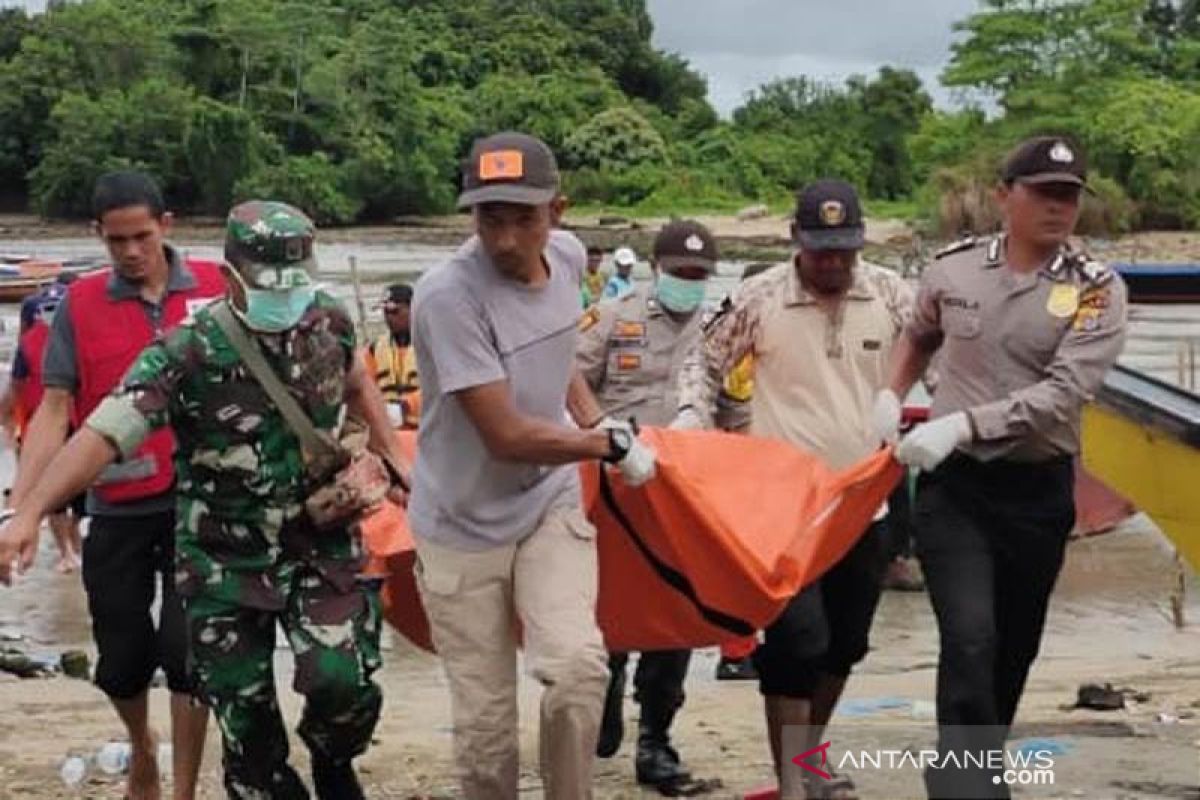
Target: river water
(1158, 334)
(1164, 341)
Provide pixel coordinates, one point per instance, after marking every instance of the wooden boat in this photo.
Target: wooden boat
(1141, 437)
(19, 280)
(1161, 283)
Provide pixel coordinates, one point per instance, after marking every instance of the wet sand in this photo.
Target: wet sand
(1109, 622)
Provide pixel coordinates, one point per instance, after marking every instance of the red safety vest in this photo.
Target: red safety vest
(109, 335)
(32, 345)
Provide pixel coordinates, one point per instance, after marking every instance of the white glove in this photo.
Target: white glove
(687, 420)
(885, 417)
(637, 466)
(931, 443)
(395, 414)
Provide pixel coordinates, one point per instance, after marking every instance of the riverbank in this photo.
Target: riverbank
(1109, 622)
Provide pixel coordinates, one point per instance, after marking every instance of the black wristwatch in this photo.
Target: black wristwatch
(620, 440)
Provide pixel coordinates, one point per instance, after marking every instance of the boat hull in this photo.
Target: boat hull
(1142, 438)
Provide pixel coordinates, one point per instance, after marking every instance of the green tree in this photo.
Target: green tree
(616, 138)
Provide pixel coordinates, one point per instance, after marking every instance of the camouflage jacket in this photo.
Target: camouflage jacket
(241, 482)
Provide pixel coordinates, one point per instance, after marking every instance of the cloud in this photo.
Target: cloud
(740, 44)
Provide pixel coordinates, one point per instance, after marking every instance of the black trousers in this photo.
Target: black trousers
(991, 538)
(825, 629)
(657, 682)
(125, 559)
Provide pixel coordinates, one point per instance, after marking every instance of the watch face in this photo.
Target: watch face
(622, 438)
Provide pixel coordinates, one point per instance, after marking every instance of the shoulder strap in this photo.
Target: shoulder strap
(317, 443)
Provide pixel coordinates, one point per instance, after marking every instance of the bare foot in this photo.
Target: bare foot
(143, 771)
(66, 565)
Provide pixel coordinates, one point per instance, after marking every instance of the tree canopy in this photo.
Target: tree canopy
(360, 110)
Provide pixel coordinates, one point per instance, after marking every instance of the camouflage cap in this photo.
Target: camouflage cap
(262, 235)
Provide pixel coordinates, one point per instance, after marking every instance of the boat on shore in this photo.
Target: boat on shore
(1161, 283)
(21, 276)
(1141, 437)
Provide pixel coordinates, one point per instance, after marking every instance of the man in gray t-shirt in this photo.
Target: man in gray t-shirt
(502, 542)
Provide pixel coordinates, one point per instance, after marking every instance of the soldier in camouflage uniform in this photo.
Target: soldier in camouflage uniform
(247, 556)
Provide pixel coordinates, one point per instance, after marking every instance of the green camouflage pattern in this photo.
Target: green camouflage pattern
(240, 475)
(335, 638)
(246, 555)
(270, 244)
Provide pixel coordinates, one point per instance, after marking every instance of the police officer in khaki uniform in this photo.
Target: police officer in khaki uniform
(630, 352)
(1027, 328)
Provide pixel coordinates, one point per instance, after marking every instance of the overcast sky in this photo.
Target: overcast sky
(741, 44)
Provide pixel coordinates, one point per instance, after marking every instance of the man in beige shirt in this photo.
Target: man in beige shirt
(820, 330)
(1027, 328)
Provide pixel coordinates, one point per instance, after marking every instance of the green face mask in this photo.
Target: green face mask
(273, 310)
(277, 309)
(679, 295)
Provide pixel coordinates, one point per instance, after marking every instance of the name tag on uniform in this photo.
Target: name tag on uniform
(628, 334)
(630, 330)
(627, 362)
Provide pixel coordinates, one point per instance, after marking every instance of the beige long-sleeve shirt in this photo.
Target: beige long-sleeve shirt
(1021, 352)
(817, 367)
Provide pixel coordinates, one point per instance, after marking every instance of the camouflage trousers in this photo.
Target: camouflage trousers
(334, 636)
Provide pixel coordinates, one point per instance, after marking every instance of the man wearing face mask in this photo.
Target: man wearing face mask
(820, 330)
(630, 352)
(248, 558)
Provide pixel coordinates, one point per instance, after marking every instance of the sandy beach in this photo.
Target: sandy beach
(1109, 623)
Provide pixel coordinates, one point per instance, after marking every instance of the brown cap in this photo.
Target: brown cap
(685, 243)
(509, 168)
(1046, 159)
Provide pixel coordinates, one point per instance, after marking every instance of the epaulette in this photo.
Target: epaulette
(589, 319)
(961, 246)
(716, 316)
(1093, 272)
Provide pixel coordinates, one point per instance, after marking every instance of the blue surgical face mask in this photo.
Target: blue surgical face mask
(679, 295)
(276, 310)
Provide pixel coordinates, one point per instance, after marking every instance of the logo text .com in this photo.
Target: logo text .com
(1022, 768)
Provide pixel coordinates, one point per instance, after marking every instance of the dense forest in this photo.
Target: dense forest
(359, 110)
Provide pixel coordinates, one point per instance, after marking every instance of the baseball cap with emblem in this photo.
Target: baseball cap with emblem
(509, 168)
(271, 244)
(1045, 159)
(829, 217)
(685, 243)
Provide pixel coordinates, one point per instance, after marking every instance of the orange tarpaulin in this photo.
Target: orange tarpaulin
(711, 549)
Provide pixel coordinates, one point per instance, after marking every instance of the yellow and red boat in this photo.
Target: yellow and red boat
(1141, 437)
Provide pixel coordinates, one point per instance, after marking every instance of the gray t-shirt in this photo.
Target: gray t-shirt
(471, 327)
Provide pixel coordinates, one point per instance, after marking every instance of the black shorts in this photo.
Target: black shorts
(125, 561)
(824, 629)
(77, 506)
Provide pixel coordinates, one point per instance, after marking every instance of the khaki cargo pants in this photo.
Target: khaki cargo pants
(545, 587)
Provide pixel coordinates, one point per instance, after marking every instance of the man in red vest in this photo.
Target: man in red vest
(23, 395)
(101, 326)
